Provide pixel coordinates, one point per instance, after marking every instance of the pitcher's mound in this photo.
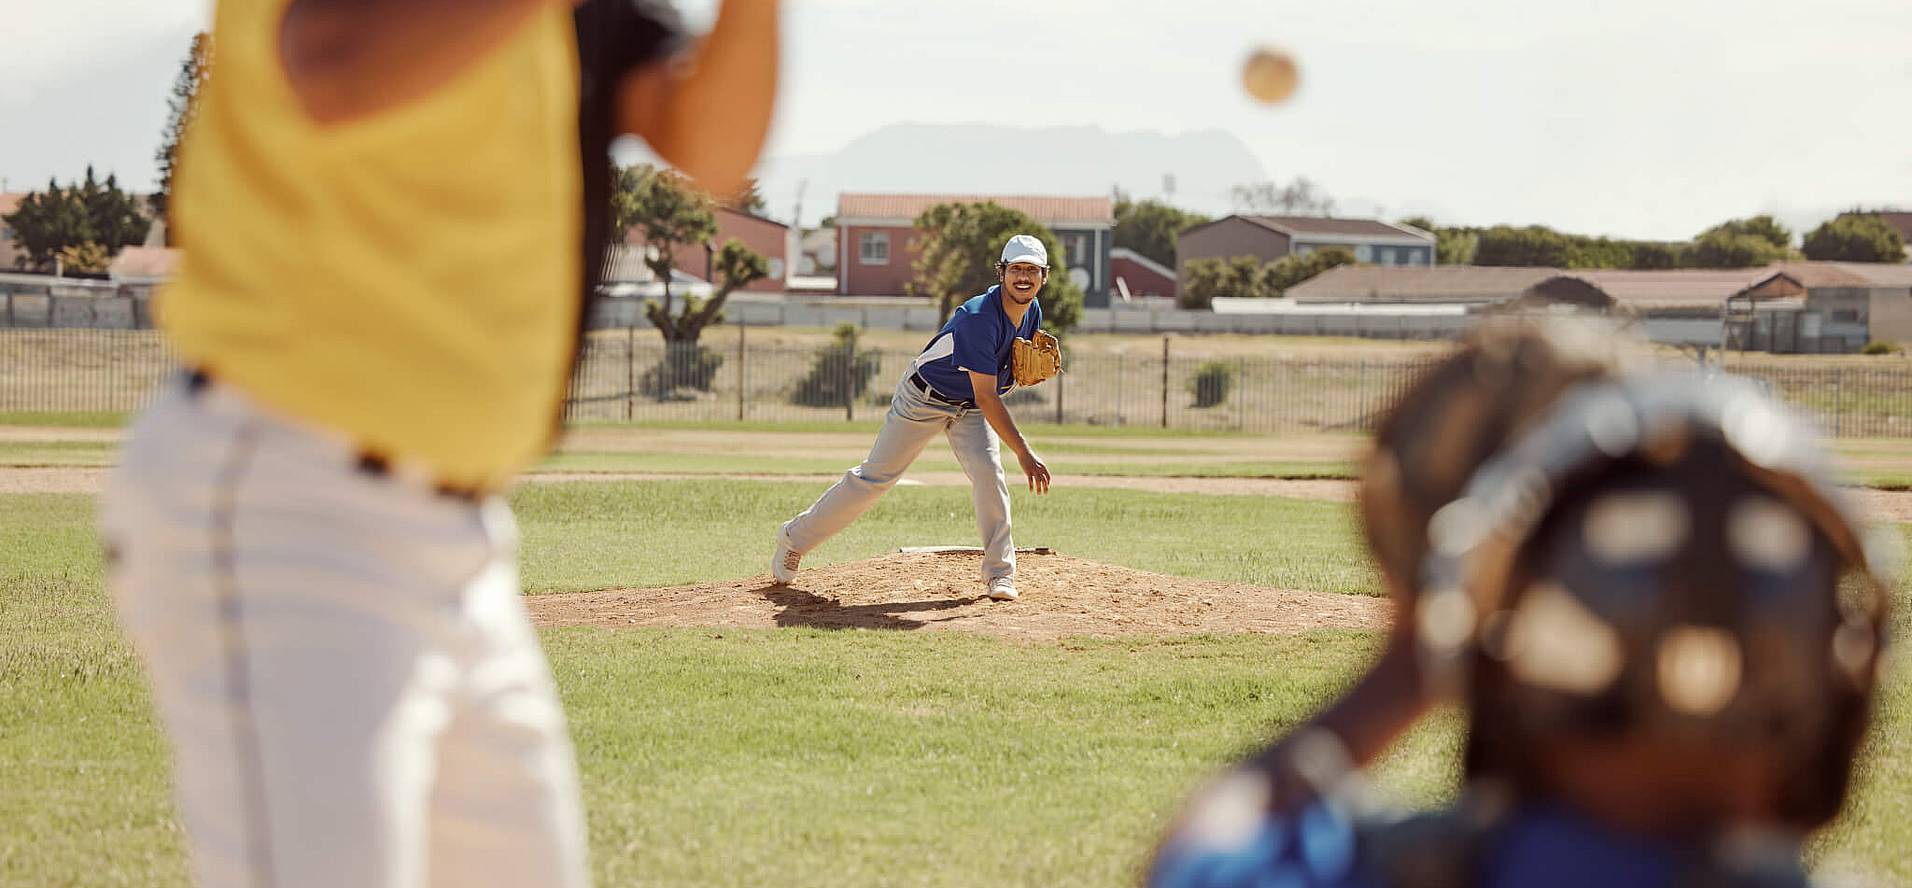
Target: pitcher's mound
(1060, 596)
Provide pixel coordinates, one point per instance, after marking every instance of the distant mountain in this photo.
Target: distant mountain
(992, 159)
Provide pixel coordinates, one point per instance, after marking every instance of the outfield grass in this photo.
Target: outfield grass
(607, 535)
(800, 756)
(828, 448)
(723, 463)
(81, 419)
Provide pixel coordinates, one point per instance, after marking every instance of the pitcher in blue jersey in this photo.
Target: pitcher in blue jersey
(955, 387)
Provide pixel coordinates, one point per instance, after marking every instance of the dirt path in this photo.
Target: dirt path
(1061, 596)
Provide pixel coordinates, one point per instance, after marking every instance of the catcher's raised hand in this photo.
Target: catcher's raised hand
(1035, 470)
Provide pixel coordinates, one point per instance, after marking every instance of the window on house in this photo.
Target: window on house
(1079, 254)
(1363, 253)
(873, 248)
(1845, 316)
(1303, 249)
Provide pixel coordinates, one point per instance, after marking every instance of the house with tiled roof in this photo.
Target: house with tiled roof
(877, 238)
(1840, 307)
(1269, 238)
(1785, 307)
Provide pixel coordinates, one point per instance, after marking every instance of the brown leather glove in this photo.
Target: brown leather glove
(1033, 362)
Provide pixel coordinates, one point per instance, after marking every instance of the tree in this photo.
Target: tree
(92, 211)
(181, 108)
(1302, 197)
(1531, 246)
(749, 200)
(959, 245)
(1151, 227)
(88, 257)
(1206, 279)
(1452, 246)
(1721, 248)
(1855, 237)
(1201, 282)
(669, 213)
(1649, 256)
(1764, 227)
(1290, 271)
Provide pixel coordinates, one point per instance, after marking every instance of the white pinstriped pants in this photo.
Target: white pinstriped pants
(353, 691)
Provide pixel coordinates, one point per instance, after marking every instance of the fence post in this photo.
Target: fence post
(1838, 403)
(743, 368)
(1241, 393)
(849, 382)
(1361, 396)
(630, 371)
(1058, 397)
(1165, 382)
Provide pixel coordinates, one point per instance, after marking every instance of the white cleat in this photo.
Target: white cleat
(1002, 589)
(783, 562)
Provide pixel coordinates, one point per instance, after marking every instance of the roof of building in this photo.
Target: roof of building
(1671, 288)
(144, 263)
(1848, 274)
(1419, 283)
(1124, 254)
(1684, 288)
(1327, 225)
(749, 215)
(904, 208)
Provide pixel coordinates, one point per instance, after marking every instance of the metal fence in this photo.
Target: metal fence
(631, 376)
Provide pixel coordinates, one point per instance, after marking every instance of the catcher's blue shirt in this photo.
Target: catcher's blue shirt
(977, 338)
(1322, 848)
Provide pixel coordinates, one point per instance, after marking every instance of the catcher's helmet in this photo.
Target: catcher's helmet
(1666, 554)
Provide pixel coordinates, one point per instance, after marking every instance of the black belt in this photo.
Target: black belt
(365, 460)
(930, 392)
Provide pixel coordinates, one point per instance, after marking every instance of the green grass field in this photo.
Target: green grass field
(801, 756)
(1069, 450)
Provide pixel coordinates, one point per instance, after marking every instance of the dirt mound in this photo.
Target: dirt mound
(1061, 596)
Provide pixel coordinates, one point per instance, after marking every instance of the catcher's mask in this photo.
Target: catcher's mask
(1662, 554)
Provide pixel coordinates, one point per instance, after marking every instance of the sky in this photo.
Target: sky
(1632, 118)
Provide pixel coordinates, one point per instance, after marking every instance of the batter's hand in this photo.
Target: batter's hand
(1037, 472)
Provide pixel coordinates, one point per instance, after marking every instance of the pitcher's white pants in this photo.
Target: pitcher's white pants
(913, 420)
(353, 690)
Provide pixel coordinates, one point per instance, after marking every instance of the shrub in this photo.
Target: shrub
(1212, 382)
(838, 372)
(684, 365)
(1876, 347)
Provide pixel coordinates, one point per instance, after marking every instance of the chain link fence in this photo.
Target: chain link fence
(629, 375)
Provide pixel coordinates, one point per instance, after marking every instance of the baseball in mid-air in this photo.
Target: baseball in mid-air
(1270, 75)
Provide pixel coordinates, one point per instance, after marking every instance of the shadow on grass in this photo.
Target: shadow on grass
(800, 608)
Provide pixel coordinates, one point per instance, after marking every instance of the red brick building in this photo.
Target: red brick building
(768, 237)
(876, 238)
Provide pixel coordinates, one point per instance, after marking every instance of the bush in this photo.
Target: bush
(838, 372)
(1856, 237)
(684, 365)
(1876, 347)
(1212, 382)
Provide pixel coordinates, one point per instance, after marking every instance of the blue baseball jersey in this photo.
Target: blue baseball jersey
(978, 338)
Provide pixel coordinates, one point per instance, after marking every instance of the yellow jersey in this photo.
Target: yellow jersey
(407, 278)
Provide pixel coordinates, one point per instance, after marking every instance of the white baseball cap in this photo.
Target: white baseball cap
(1025, 248)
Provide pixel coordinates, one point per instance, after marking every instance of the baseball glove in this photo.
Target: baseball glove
(1033, 362)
